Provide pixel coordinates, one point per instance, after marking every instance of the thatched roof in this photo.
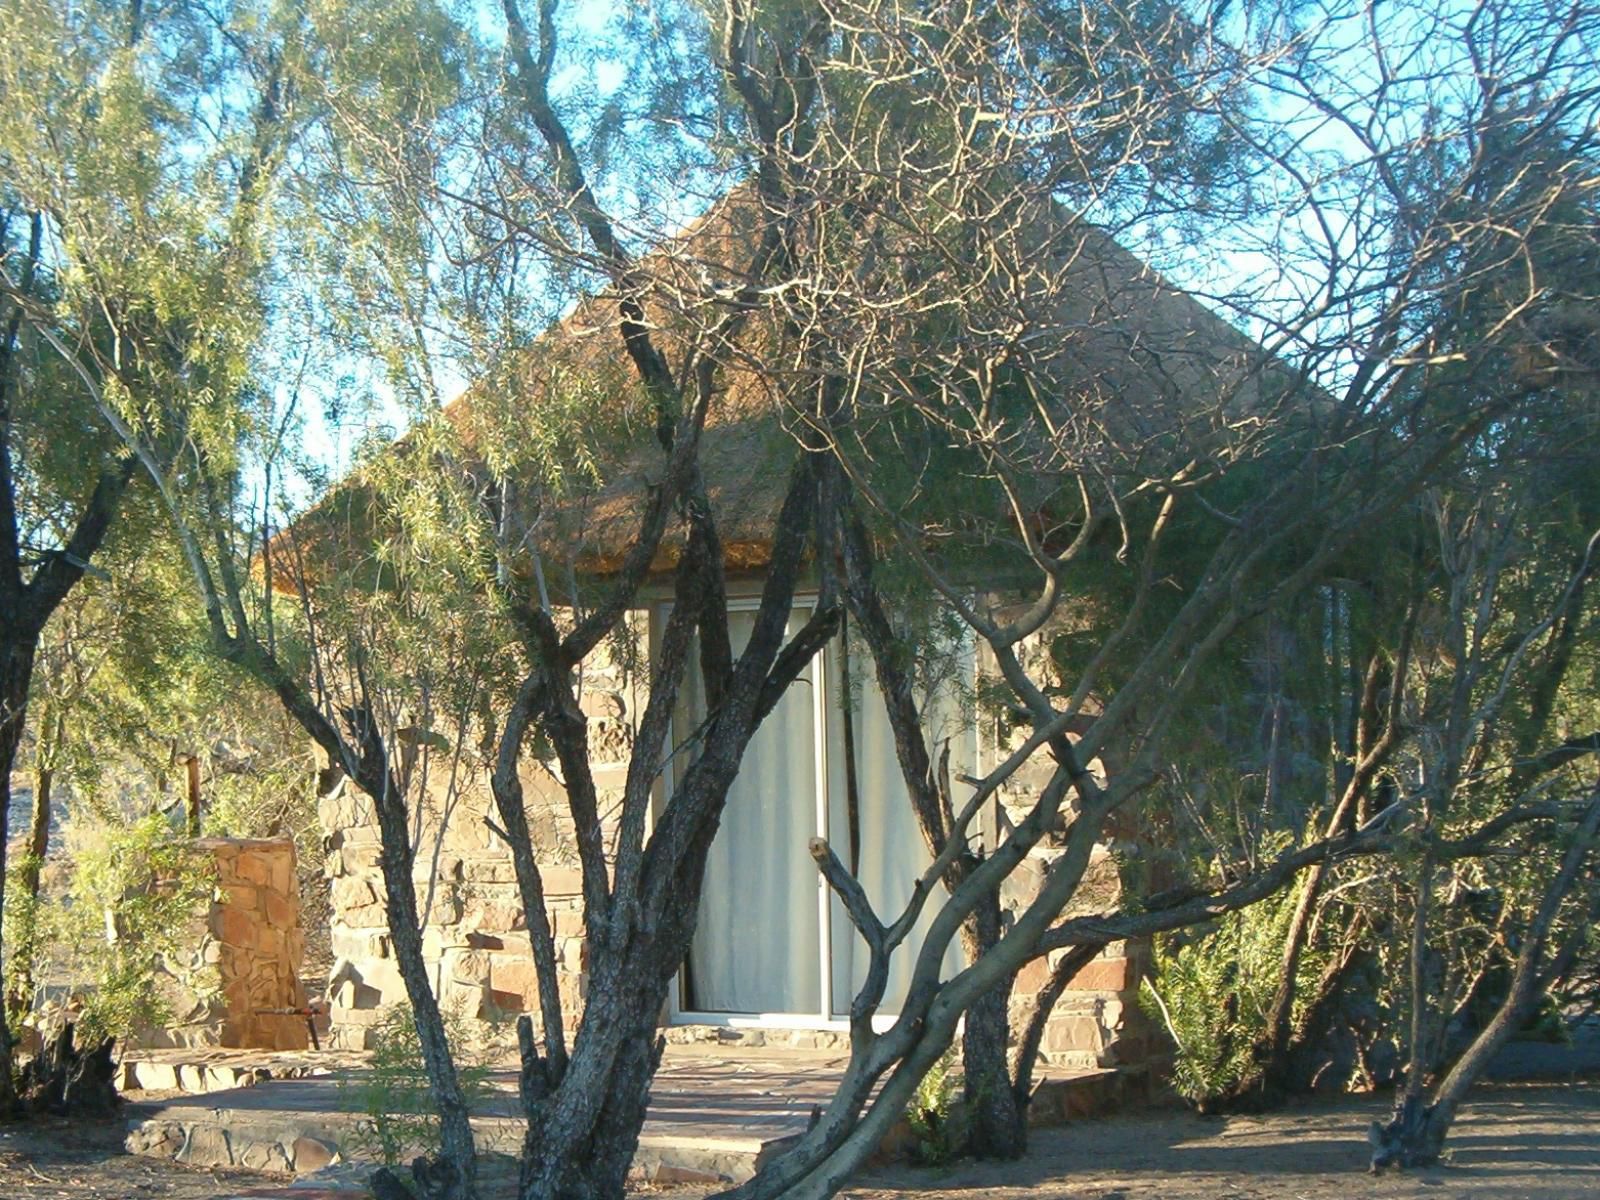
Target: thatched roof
(1122, 330)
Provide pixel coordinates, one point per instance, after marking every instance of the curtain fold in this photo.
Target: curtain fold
(757, 943)
(893, 852)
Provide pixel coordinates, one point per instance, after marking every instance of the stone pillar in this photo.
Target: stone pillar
(244, 970)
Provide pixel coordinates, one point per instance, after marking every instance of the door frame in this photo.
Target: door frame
(824, 1019)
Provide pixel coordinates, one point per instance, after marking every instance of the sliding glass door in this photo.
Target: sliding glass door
(772, 946)
(756, 942)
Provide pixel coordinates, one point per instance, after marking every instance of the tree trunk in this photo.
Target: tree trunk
(1415, 1137)
(20, 992)
(1066, 969)
(457, 1153)
(996, 1118)
(191, 804)
(16, 673)
(66, 1081)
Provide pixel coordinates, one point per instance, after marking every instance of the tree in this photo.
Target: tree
(1493, 304)
(131, 227)
(131, 720)
(1499, 732)
(910, 278)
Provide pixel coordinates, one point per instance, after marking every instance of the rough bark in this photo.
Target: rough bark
(67, 1081)
(1416, 1134)
(16, 672)
(457, 1152)
(584, 1123)
(29, 873)
(1070, 963)
(996, 1115)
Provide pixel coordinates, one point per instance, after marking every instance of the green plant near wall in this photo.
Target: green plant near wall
(135, 894)
(26, 938)
(935, 1115)
(1213, 992)
(392, 1091)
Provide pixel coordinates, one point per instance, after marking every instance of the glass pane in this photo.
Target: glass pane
(757, 944)
(889, 851)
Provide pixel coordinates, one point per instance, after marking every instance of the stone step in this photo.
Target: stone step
(205, 1070)
(267, 1128)
(713, 1119)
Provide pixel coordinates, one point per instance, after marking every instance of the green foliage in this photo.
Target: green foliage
(392, 1091)
(934, 1114)
(1212, 992)
(137, 890)
(26, 935)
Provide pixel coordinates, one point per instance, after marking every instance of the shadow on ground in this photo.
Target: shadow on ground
(1513, 1142)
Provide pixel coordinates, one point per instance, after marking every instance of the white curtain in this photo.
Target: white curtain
(757, 944)
(891, 852)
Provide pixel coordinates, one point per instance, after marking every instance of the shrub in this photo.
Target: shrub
(393, 1091)
(1212, 992)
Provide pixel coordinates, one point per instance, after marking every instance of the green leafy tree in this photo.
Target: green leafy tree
(136, 156)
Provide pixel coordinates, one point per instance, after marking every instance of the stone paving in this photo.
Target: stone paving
(715, 1115)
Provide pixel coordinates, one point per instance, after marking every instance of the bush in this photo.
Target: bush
(136, 891)
(1212, 992)
(934, 1115)
(393, 1091)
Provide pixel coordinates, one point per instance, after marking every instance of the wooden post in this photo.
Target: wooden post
(191, 764)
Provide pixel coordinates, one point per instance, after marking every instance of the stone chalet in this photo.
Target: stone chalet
(774, 960)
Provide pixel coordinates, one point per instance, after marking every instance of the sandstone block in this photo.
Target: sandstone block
(269, 941)
(158, 1139)
(207, 1146)
(1105, 975)
(498, 918)
(350, 894)
(489, 870)
(1074, 1033)
(280, 910)
(467, 966)
(1032, 978)
(567, 923)
(262, 1156)
(561, 881)
(237, 928)
(514, 975)
(572, 953)
(154, 1076)
(283, 880)
(308, 1154)
(254, 867)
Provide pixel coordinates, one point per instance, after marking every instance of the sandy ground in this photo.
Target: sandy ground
(58, 1160)
(1516, 1142)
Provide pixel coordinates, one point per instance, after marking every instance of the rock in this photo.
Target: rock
(309, 1155)
(667, 1174)
(206, 1146)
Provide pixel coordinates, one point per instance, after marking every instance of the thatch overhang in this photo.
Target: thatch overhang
(1154, 355)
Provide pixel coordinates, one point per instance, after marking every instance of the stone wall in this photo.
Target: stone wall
(242, 972)
(475, 934)
(1097, 1022)
(475, 937)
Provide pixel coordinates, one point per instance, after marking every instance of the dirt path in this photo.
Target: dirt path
(1532, 1142)
(82, 1160)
